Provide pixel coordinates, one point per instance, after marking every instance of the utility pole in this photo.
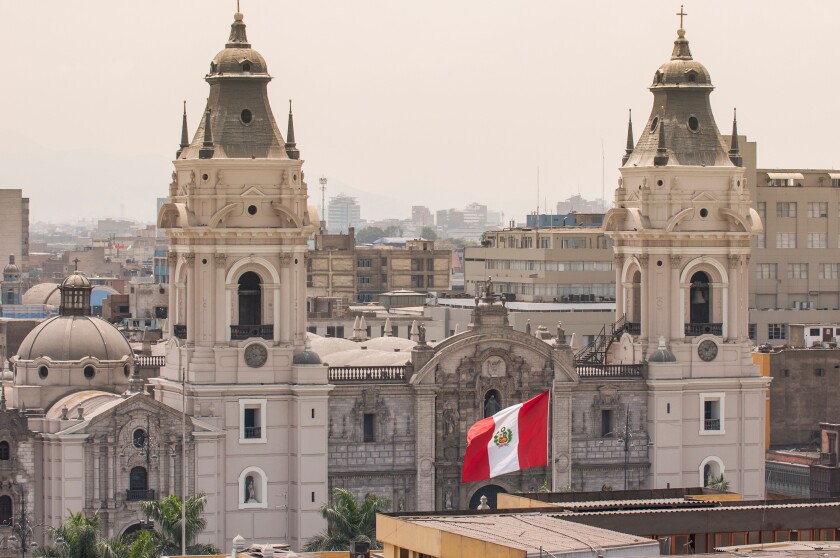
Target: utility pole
(323, 182)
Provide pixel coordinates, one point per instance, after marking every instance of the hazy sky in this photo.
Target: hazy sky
(433, 102)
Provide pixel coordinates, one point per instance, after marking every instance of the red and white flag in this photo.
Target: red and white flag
(514, 438)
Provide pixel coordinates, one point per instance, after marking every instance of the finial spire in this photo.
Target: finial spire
(629, 149)
(184, 135)
(681, 49)
(661, 158)
(291, 147)
(238, 37)
(2, 396)
(76, 264)
(206, 151)
(735, 149)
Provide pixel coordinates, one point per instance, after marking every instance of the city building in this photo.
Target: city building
(422, 216)
(339, 268)
(343, 212)
(14, 227)
(577, 204)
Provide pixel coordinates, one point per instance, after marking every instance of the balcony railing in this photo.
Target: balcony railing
(829, 459)
(242, 332)
(253, 432)
(179, 331)
(693, 330)
(633, 328)
(595, 370)
(394, 374)
(147, 361)
(712, 425)
(139, 494)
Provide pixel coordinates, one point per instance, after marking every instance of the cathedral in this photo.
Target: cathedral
(265, 418)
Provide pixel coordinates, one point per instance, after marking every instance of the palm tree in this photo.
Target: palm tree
(348, 521)
(78, 536)
(166, 513)
(718, 483)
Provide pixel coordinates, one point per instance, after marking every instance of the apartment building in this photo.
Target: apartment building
(14, 227)
(795, 263)
(339, 268)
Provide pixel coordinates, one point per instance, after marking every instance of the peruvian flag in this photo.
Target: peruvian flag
(514, 438)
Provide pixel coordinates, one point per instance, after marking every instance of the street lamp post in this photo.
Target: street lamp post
(22, 527)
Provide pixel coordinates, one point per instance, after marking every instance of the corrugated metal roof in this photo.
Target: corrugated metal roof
(710, 509)
(530, 532)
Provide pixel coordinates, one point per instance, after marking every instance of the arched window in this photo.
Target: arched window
(138, 479)
(5, 451)
(636, 298)
(250, 299)
(492, 403)
(700, 298)
(5, 510)
(139, 438)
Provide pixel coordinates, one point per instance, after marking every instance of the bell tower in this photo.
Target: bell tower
(682, 223)
(238, 225)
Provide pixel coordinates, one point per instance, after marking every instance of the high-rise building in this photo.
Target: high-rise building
(343, 212)
(421, 216)
(14, 227)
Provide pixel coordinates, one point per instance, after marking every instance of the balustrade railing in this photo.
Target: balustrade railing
(147, 361)
(633, 328)
(137, 495)
(711, 424)
(253, 432)
(242, 332)
(366, 374)
(595, 370)
(693, 330)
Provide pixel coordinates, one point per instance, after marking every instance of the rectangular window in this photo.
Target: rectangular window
(369, 421)
(574, 243)
(835, 182)
(527, 242)
(545, 242)
(606, 423)
(363, 262)
(761, 241)
(817, 210)
(828, 271)
(752, 331)
(785, 209)
(765, 271)
(363, 279)
(762, 210)
(780, 181)
(785, 240)
(252, 421)
(777, 331)
(798, 271)
(816, 240)
(712, 413)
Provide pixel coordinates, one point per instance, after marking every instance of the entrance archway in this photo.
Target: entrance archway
(491, 491)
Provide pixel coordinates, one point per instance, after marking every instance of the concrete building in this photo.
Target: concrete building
(14, 227)
(339, 268)
(343, 212)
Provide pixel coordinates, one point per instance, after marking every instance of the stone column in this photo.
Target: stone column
(424, 424)
(282, 326)
(172, 310)
(190, 298)
(677, 327)
(619, 287)
(561, 436)
(732, 327)
(219, 300)
(644, 260)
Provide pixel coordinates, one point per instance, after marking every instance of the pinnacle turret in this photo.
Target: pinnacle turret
(629, 148)
(291, 149)
(185, 140)
(661, 158)
(206, 151)
(735, 149)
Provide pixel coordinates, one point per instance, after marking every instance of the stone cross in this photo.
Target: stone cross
(680, 13)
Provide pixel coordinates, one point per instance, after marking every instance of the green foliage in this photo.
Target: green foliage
(348, 520)
(544, 487)
(80, 535)
(718, 483)
(428, 233)
(369, 235)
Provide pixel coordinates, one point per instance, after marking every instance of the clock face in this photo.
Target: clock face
(707, 350)
(255, 355)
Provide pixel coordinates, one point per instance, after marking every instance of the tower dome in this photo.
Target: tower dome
(11, 270)
(681, 129)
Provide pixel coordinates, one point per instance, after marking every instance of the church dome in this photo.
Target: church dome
(72, 338)
(307, 356)
(238, 58)
(11, 267)
(681, 70)
(76, 280)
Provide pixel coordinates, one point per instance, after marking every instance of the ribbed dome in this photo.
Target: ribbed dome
(682, 70)
(308, 356)
(76, 280)
(11, 267)
(238, 57)
(72, 338)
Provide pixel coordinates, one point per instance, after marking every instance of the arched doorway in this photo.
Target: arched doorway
(700, 296)
(492, 403)
(491, 491)
(250, 299)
